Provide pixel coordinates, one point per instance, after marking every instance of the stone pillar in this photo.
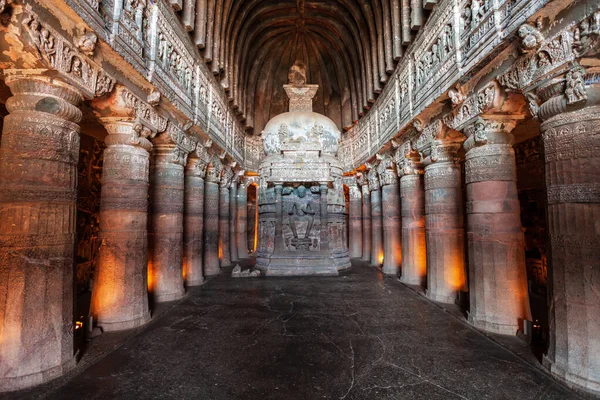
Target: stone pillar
(412, 194)
(224, 253)
(366, 218)
(278, 216)
(444, 230)
(38, 192)
(211, 218)
(120, 293)
(193, 217)
(242, 220)
(323, 188)
(497, 278)
(571, 138)
(390, 204)
(355, 218)
(165, 269)
(376, 222)
(233, 193)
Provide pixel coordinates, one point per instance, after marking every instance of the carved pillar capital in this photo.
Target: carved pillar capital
(408, 160)
(373, 177)
(126, 131)
(197, 162)
(490, 129)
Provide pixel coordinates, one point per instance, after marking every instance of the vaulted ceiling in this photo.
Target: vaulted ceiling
(349, 46)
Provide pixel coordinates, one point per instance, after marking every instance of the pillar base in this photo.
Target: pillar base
(391, 271)
(493, 327)
(580, 382)
(195, 282)
(162, 298)
(109, 326)
(441, 298)
(37, 378)
(414, 282)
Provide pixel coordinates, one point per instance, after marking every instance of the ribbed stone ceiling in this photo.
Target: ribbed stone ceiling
(347, 45)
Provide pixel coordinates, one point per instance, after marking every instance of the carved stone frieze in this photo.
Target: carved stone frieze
(60, 54)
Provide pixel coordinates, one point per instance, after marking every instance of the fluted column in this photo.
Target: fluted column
(376, 222)
(366, 217)
(571, 138)
(233, 193)
(242, 220)
(224, 199)
(120, 293)
(38, 192)
(497, 278)
(412, 193)
(193, 217)
(444, 229)
(165, 269)
(211, 219)
(323, 188)
(355, 218)
(390, 205)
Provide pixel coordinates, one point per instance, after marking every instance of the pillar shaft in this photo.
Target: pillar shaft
(392, 241)
(366, 222)
(444, 230)
(356, 222)
(323, 188)
(242, 221)
(376, 228)
(38, 192)
(193, 222)
(278, 217)
(165, 273)
(571, 141)
(224, 253)
(414, 249)
(120, 293)
(211, 221)
(496, 246)
(233, 250)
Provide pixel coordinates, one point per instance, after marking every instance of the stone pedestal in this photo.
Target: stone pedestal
(193, 221)
(497, 278)
(120, 292)
(571, 142)
(444, 229)
(366, 220)
(211, 220)
(224, 252)
(242, 221)
(233, 193)
(414, 249)
(355, 219)
(390, 204)
(38, 192)
(165, 274)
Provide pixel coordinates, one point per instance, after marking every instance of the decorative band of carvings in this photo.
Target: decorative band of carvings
(439, 176)
(19, 194)
(30, 241)
(490, 167)
(167, 208)
(574, 193)
(574, 140)
(575, 241)
(451, 209)
(124, 204)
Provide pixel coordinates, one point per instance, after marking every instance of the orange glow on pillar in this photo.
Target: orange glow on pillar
(380, 258)
(456, 276)
(150, 278)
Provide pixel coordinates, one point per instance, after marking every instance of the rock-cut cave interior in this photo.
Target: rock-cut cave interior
(300, 199)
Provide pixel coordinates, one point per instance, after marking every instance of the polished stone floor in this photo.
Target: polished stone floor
(358, 336)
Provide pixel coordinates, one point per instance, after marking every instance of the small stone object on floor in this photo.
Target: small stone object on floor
(249, 273)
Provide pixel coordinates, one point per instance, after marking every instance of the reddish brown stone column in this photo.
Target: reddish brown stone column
(165, 273)
(355, 218)
(366, 217)
(242, 220)
(211, 218)
(38, 192)
(497, 278)
(224, 253)
(120, 293)
(233, 193)
(390, 204)
(376, 222)
(193, 217)
(412, 193)
(571, 137)
(444, 229)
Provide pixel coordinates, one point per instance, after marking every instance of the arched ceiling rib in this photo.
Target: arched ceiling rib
(349, 46)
